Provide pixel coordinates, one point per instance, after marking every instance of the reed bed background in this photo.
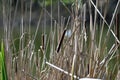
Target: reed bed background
(66, 49)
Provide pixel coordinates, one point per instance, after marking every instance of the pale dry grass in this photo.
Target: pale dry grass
(86, 52)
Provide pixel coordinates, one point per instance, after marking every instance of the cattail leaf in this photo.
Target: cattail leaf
(3, 73)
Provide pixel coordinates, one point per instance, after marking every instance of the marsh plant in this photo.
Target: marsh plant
(3, 73)
(62, 48)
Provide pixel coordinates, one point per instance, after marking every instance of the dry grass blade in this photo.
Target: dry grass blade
(59, 69)
(109, 26)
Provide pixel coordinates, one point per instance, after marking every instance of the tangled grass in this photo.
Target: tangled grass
(66, 51)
